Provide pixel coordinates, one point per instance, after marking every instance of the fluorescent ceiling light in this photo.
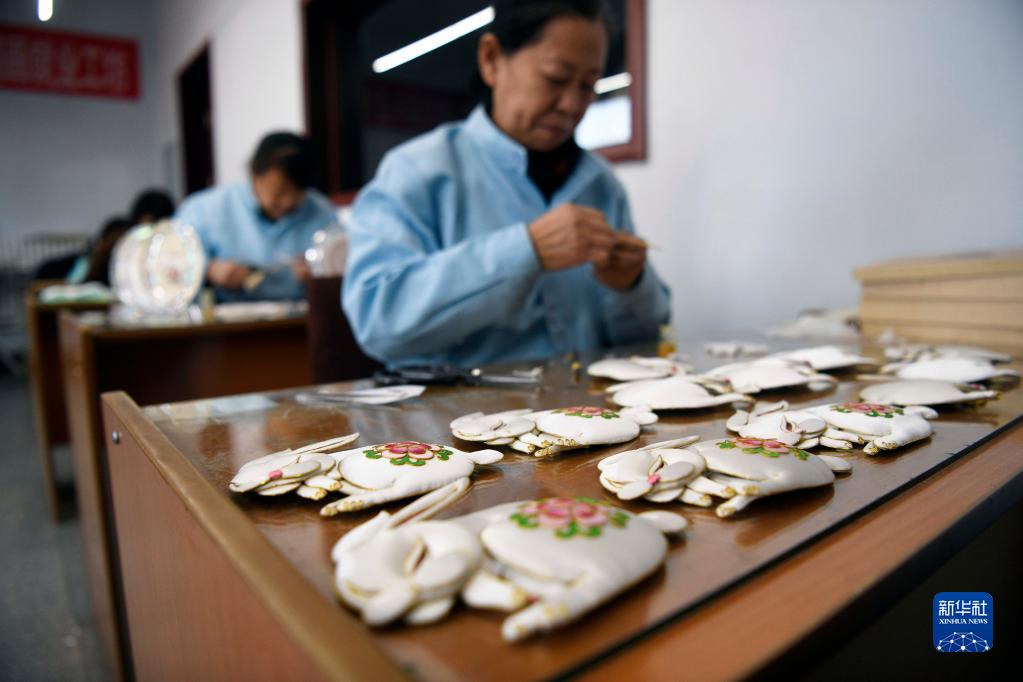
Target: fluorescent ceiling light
(612, 83)
(434, 40)
(45, 10)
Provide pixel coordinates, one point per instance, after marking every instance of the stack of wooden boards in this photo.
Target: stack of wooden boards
(964, 299)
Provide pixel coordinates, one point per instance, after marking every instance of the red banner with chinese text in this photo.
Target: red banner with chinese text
(68, 63)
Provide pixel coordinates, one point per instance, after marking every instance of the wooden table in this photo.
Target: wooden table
(244, 584)
(155, 364)
(46, 380)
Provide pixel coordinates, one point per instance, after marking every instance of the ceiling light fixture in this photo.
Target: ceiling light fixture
(612, 83)
(433, 41)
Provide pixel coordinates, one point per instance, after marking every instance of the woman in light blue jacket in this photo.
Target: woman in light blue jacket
(497, 238)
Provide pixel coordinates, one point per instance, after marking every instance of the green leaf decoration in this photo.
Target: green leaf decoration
(587, 500)
(524, 521)
(619, 519)
(373, 454)
(593, 532)
(726, 445)
(801, 454)
(417, 462)
(568, 531)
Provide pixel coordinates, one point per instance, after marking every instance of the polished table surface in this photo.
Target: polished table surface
(213, 438)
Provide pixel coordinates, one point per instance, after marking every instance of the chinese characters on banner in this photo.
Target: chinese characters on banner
(68, 63)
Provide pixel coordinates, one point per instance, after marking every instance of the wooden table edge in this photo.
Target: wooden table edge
(197, 329)
(905, 537)
(317, 626)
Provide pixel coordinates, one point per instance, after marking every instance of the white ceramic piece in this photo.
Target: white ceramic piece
(734, 349)
(548, 432)
(797, 428)
(659, 472)
(824, 358)
(839, 425)
(404, 566)
(738, 470)
(381, 395)
(377, 474)
(583, 426)
(961, 370)
(494, 429)
(875, 426)
(836, 325)
(158, 269)
(920, 351)
(549, 561)
(770, 373)
(926, 392)
(636, 368)
(675, 393)
(310, 470)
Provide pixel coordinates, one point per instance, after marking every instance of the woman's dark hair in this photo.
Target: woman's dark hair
(103, 247)
(152, 205)
(288, 153)
(518, 23)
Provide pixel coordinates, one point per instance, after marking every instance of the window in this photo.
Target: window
(355, 113)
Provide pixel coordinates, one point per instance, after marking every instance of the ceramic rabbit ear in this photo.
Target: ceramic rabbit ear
(485, 456)
(766, 407)
(922, 410)
(640, 414)
(666, 522)
(836, 464)
(738, 420)
(360, 534)
(329, 444)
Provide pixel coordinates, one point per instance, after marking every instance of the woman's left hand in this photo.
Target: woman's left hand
(625, 265)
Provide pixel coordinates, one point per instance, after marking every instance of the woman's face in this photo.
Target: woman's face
(541, 92)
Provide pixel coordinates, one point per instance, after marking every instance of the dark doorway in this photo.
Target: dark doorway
(196, 106)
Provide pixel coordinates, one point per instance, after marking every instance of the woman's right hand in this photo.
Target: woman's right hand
(571, 235)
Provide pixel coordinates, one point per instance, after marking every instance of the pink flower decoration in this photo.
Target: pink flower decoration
(589, 515)
(410, 448)
(775, 446)
(559, 512)
(749, 442)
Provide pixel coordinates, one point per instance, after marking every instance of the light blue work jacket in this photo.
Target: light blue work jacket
(441, 268)
(232, 227)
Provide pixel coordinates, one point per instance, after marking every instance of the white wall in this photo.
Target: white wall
(256, 76)
(257, 81)
(793, 140)
(69, 162)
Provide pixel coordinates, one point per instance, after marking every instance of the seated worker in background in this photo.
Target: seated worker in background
(93, 265)
(497, 238)
(256, 232)
(149, 207)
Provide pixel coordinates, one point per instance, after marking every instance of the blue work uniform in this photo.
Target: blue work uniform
(441, 268)
(232, 227)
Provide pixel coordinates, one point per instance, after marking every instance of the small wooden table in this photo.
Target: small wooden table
(244, 584)
(46, 379)
(155, 364)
